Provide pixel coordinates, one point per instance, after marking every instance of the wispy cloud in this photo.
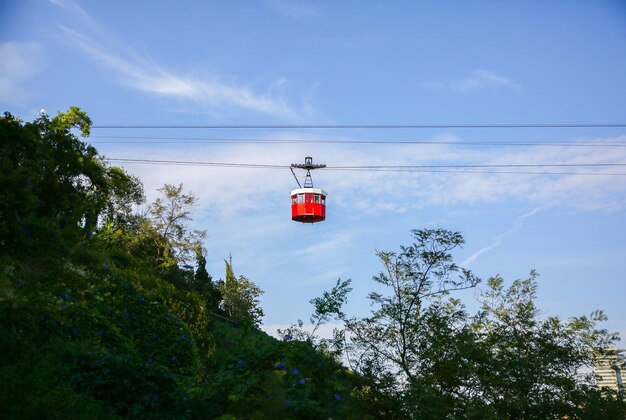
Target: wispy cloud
(497, 241)
(73, 7)
(141, 73)
(328, 244)
(475, 81)
(19, 63)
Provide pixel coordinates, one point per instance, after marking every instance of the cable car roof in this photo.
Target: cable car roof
(309, 191)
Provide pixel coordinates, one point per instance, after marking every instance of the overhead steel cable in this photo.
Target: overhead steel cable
(196, 163)
(469, 171)
(351, 126)
(391, 168)
(203, 140)
(503, 165)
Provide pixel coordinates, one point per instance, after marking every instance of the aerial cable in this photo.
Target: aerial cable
(201, 140)
(503, 165)
(469, 171)
(348, 167)
(352, 126)
(391, 168)
(196, 163)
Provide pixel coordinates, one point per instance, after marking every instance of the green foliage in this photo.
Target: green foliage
(537, 361)
(424, 356)
(53, 184)
(73, 118)
(240, 298)
(330, 303)
(101, 314)
(176, 244)
(203, 284)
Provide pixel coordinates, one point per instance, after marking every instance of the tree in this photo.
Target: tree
(240, 298)
(394, 336)
(426, 357)
(127, 192)
(53, 182)
(534, 367)
(203, 283)
(167, 217)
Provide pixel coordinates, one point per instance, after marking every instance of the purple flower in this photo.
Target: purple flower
(296, 371)
(75, 332)
(241, 363)
(105, 266)
(173, 358)
(288, 337)
(302, 381)
(280, 366)
(142, 299)
(337, 397)
(90, 234)
(287, 403)
(126, 285)
(20, 284)
(100, 332)
(42, 317)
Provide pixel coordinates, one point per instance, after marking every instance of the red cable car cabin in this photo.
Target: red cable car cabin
(308, 205)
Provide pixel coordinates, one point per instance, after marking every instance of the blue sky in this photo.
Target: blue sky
(326, 63)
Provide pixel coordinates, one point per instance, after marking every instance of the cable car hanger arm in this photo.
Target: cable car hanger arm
(294, 175)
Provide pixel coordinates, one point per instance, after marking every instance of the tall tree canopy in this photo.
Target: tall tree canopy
(52, 182)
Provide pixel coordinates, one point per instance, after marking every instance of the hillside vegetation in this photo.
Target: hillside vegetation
(105, 313)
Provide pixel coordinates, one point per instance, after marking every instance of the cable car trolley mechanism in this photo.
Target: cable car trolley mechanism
(308, 204)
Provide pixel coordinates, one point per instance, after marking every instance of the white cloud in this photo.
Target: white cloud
(141, 73)
(497, 241)
(477, 80)
(328, 243)
(74, 8)
(486, 79)
(20, 62)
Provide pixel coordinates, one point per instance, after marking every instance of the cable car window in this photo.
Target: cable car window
(300, 198)
(293, 199)
(309, 198)
(323, 200)
(317, 198)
